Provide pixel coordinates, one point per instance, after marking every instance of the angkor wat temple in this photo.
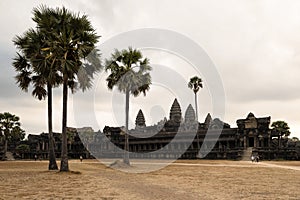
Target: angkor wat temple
(176, 137)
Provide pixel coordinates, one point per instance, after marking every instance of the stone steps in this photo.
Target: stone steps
(247, 154)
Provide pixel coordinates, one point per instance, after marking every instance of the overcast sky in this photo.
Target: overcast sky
(254, 45)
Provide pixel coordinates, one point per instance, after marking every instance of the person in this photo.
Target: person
(257, 158)
(80, 158)
(252, 158)
(35, 157)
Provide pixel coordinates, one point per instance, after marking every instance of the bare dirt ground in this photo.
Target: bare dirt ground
(184, 179)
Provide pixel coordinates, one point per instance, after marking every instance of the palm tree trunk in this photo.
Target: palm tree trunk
(126, 153)
(196, 106)
(197, 136)
(52, 159)
(64, 166)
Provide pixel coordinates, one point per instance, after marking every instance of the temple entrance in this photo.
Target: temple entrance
(251, 142)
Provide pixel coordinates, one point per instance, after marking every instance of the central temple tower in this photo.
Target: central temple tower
(175, 112)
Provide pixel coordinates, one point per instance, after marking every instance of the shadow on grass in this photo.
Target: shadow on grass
(59, 172)
(69, 172)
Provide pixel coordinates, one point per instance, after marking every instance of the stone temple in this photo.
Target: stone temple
(176, 137)
(215, 138)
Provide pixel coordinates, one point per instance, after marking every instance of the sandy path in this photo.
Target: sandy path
(279, 166)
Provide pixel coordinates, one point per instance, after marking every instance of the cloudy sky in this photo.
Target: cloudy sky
(254, 45)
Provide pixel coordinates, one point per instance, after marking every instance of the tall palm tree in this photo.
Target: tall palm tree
(10, 127)
(70, 39)
(195, 84)
(129, 72)
(67, 40)
(34, 67)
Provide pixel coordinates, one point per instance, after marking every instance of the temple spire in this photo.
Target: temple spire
(175, 112)
(208, 120)
(189, 114)
(140, 119)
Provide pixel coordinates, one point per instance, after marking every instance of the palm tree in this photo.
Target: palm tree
(129, 72)
(10, 128)
(35, 67)
(67, 39)
(195, 84)
(70, 39)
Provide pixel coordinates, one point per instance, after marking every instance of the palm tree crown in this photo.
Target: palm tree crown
(195, 84)
(129, 71)
(70, 39)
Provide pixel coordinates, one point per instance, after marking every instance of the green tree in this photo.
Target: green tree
(71, 39)
(195, 84)
(129, 72)
(10, 129)
(282, 129)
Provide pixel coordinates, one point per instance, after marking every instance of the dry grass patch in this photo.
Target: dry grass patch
(206, 180)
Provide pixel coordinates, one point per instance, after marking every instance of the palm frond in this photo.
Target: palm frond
(40, 92)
